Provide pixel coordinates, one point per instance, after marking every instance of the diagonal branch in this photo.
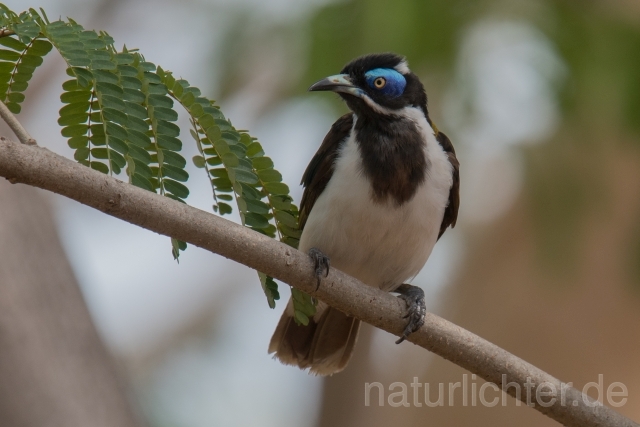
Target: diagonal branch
(15, 125)
(41, 168)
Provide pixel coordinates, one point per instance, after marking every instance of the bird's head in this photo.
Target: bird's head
(376, 84)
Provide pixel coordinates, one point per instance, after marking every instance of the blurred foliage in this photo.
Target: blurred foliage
(559, 196)
(601, 103)
(426, 32)
(602, 53)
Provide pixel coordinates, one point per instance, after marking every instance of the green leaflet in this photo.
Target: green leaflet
(176, 247)
(270, 288)
(304, 306)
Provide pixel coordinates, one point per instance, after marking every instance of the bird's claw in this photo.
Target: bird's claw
(413, 296)
(321, 264)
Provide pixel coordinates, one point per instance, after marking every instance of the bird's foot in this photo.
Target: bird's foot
(416, 308)
(321, 264)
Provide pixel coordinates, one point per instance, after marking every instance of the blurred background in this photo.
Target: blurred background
(542, 101)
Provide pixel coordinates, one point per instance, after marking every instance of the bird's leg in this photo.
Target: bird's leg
(416, 308)
(321, 263)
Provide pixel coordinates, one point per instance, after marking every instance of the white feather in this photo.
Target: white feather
(382, 245)
(403, 67)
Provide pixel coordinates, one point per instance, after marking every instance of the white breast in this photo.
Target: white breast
(382, 245)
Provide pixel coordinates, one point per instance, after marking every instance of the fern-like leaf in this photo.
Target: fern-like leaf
(118, 113)
(118, 116)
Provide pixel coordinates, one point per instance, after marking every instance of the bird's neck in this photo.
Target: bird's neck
(393, 156)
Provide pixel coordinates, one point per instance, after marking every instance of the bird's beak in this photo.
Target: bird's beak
(337, 83)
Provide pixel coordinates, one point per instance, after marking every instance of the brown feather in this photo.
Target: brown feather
(324, 346)
(320, 169)
(451, 212)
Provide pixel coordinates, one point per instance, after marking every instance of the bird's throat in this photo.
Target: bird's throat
(393, 157)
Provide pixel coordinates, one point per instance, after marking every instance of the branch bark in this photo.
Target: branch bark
(41, 168)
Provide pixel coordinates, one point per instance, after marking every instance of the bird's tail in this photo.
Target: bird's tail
(324, 345)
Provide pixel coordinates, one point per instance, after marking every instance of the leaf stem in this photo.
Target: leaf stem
(13, 73)
(197, 126)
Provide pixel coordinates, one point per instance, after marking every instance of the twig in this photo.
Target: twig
(4, 32)
(15, 125)
(41, 168)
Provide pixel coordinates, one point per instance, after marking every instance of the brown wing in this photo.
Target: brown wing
(320, 169)
(451, 212)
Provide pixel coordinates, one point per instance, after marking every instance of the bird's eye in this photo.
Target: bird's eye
(380, 82)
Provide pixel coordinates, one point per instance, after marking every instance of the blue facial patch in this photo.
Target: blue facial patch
(395, 82)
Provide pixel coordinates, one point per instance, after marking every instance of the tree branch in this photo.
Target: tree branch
(41, 168)
(15, 125)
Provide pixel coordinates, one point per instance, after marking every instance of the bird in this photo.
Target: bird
(378, 194)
